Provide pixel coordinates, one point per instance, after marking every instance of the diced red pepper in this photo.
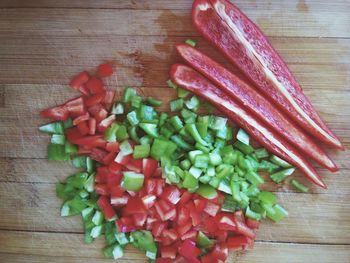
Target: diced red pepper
(200, 204)
(225, 221)
(120, 201)
(169, 236)
(92, 126)
(208, 258)
(105, 123)
(79, 80)
(102, 175)
(98, 154)
(94, 99)
(134, 165)
(221, 235)
(95, 85)
(149, 200)
(168, 252)
(108, 211)
(112, 147)
(184, 228)
(164, 260)
(113, 180)
(83, 128)
(72, 134)
(123, 159)
(139, 219)
(59, 113)
(183, 216)
(185, 197)
(102, 189)
(190, 235)
(115, 167)
(253, 224)
(237, 242)
(149, 167)
(75, 107)
(189, 250)
(134, 206)
(220, 252)
(105, 70)
(92, 141)
(158, 228)
(125, 225)
(109, 97)
(109, 158)
(211, 209)
(83, 150)
(171, 194)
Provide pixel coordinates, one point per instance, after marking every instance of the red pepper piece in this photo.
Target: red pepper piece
(125, 225)
(105, 70)
(256, 103)
(183, 216)
(188, 79)
(112, 147)
(220, 252)
(237, 242)
(134, 206)
(102, 189)
(149, 200)
(149, 167)
(59, 113)
(168, 252)
(164, 260)
(246, 46)
(158, 228)
(95, 85)
(102, 175)
(109, 97)
(94, 99)
(211, 209)
(83, 128)
(184, 228)
(190, 235)
(134, 165)
(79, 80)
(253, 224)
(81, 118)
(171, 194)
(75, 107)
(115, 167)
(119, 201)
(108, 158)
(108, 211)
(105, 123)
(92, 126)
(189, 250)
(92, 141)
(139, 219)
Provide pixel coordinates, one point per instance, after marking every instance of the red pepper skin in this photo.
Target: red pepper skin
(190, 80)
(243, 43)
(105, 70)
(256, 103)
(79, 80)
(58, 113)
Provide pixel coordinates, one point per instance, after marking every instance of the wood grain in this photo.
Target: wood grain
(44, 42)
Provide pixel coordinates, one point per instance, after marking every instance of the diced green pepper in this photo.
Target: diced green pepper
(52, 127)
(176, 105)
(132, 181)
(142, 151)
(118, 108)
(57, 152)
(299, 186)
(150, 129)
(126, 148)
(153, 102)
(278, 161)
(281, 175)
(207, 191)
(191, 42)
(129, 93)
(243, 137)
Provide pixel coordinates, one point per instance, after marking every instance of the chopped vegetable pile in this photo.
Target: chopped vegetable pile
(179, 185)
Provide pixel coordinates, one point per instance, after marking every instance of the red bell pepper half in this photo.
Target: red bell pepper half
(253, 101)
(243, 43)
(190, 80)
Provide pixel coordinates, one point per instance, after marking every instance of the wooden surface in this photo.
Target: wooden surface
(44, 43)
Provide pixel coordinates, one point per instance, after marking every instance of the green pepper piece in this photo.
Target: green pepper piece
(203, 241)
(207, 191)
(142, 151)
(52, 127)
(57, 152)
(132, 181)
(299, 186)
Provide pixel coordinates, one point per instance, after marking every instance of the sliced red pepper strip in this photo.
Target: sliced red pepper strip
(243, 43)
(255, 102)
(194, 82)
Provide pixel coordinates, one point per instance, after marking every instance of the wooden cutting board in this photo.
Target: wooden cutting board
(44, 43)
